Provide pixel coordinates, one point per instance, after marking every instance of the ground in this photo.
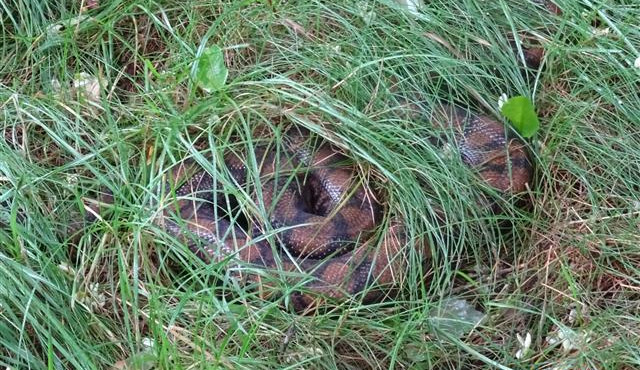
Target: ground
(104, 95)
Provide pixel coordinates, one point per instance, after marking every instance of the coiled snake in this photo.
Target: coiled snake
(324, 220)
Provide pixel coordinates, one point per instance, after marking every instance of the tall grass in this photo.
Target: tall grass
(120, 292)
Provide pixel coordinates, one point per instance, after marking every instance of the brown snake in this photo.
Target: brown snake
(324, 220)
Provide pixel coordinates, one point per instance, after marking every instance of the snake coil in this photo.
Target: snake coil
(324, 218)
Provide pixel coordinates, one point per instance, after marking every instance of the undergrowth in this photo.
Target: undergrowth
(102, 97)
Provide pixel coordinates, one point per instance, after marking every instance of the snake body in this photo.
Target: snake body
(323, 218)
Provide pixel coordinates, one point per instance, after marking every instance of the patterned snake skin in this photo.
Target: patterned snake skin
(323, 219)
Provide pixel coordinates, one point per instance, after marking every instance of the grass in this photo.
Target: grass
(121, 293)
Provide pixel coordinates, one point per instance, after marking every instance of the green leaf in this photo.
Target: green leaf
(209, 71)
(519, 110)
(455, 316)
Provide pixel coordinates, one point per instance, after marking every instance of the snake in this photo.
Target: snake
(323, 219)
(322, 224)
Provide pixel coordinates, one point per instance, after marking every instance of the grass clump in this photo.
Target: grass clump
(103, 98)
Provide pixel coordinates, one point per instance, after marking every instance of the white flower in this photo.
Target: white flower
(303, 354)
(72, 179)
(501, 100)
(91, 298)
(569, 339)
(600, 31)
(525, 343)
(637, 63)
(64, 267)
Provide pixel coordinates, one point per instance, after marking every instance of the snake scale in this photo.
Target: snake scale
(324, 220)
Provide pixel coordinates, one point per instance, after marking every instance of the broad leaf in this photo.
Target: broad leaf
(455, 317)
(210, 73)
(519, 110)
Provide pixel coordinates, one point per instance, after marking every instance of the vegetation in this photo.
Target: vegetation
(108, 96)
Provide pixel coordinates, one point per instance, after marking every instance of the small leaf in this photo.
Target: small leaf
(144, 360)
(519, 110)
(412, 6)
(209, 71)
(455, 316)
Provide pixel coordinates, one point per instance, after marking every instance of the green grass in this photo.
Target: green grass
(95, 296)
